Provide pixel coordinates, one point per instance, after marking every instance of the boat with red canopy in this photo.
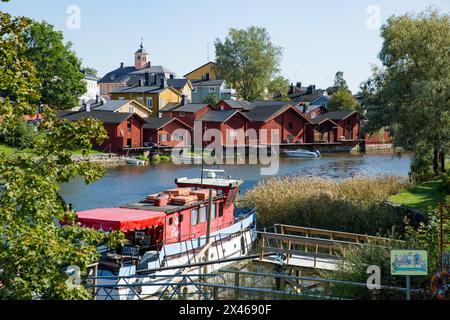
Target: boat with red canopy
(170, 230)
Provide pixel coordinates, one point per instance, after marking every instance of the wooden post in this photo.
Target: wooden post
(236, 284)
(215, 293)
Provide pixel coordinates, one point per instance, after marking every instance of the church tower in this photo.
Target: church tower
(141, 58)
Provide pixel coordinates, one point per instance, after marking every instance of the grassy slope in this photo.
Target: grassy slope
(423, 196)
(10, 151)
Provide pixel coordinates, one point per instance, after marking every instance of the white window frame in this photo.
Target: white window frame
(151, 102)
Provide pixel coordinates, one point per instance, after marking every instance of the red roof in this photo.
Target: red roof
(120, 219)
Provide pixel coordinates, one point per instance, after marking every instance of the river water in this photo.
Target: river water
(130, 183)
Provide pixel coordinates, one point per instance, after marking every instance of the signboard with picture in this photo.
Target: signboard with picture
(409, 263)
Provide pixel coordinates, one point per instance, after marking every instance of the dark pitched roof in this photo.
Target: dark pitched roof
(299, 97)
(263, 113)
(104, 116)
(140, 89)
(237, 104)
(320, 120)
(260, 103)
(189, 108)
(177, 83)
(119, 75)
(335, 115)
(220, 116)
(209, 83)
(110, 105)
(157, 123)
(153, 70)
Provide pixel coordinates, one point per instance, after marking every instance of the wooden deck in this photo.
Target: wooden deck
(299, 247)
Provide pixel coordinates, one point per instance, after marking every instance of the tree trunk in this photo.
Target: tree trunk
(436, 161)
(442, 160)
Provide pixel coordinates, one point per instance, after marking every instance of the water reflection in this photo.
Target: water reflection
(130, 183)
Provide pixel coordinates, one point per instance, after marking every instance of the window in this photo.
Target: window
(213, 211)
(103, 88)
(290, 125)
(178, 138)
(140, 99)
(313, 115)
(182, 114)
(129, 126)
(131, 110)
(121, 98)
(164, 137)
(212, 89)
(194, 89)
(203, 214)
(170, 221)
(221, 209)
(149, 102)
(194, 217)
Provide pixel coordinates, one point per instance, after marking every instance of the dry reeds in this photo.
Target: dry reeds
(353, 204)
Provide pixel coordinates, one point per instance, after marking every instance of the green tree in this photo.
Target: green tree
(212, 98)
(339, 84)
(22, 136)
(90, 72)
(58, 68)
(34, 250)
(411, 92)
(278, 88)
(342, 100)
(248, 59)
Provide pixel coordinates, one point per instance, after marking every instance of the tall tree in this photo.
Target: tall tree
(278, 88)
(411, 92)
(34, 250)
(339, 84)
(58, 68)
(248, 59)
(342, 100)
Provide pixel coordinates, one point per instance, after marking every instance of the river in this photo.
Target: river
(125, 184)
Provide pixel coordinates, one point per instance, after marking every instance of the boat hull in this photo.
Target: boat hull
(232, 242)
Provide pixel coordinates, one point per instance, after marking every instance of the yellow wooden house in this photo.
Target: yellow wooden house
(204, 72)
(154, 98)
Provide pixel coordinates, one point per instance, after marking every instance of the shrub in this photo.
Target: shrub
(352, 205)
(22, 136)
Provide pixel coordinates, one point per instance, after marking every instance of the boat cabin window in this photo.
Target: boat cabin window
(230, 197)
(170, 221)
(194, 217)
(181, 218)
(213, 211)
(221, 209)
(203, 213)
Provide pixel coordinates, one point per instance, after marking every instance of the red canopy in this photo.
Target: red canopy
(120, 219)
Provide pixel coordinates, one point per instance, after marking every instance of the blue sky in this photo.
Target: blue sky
(319, 37)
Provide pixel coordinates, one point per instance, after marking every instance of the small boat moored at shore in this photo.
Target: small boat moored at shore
(136, 162)
(301, 153)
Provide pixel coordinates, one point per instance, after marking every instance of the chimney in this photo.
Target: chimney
(299, 85)
(121, 65)
(96, 99)
(311, 89)
(172, 76)
(162, 83)
(184, 100)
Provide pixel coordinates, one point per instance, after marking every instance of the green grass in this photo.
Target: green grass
(11, 151)
(424, 196)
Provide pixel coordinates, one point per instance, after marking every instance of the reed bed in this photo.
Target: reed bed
(353, 205)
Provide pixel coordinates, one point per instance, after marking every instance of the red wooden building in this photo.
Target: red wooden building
(335, 126)
(168, 132)
(290, 124)
(232, 104)
(187, 112)
(124, 129)
(232, 125)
